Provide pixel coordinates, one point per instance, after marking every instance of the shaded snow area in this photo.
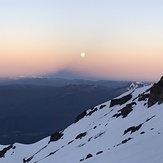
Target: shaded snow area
(123, 130)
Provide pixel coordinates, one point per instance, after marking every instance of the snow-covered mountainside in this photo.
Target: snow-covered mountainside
(127, 129)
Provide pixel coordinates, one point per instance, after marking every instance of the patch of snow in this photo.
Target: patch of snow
(103, 137)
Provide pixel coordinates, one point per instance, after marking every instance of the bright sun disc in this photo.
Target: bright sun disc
(82, 54)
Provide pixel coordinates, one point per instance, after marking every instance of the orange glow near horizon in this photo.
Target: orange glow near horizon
(105, 64)
(121, 40)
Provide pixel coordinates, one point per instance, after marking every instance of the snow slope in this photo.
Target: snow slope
(124, 130)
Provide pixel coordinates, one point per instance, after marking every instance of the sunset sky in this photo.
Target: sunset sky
(121, 39)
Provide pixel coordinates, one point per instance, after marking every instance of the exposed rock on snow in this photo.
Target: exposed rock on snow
(132, 129)
(127, 132)
(120, 101)
(156, 93)
(102, 106)
(80, 136)
(125, 111)
(4, 150)
(80, 116)
(92, 111)
(89, 156)
(56, 136)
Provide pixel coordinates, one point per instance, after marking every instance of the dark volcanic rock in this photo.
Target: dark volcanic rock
(27, 160)
(80, 116)
(70, 142)
(125, 111)
(143, 97)
(81, 135)
(82, 159)
(56, 136)
(150, 118)
(100, 152)
(125, 141)
(156, 93)
(142, 133)
(92, 111)
(102, 106)
(52, 153)
(121, 100)
(132, 129)
(89, 156)
(4, 150)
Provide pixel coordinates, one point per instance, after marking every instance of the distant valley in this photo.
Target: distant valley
(33, 108)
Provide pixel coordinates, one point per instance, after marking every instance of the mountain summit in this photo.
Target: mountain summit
(126, 129)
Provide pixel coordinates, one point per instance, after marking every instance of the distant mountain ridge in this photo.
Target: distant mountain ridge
(51, 81)
(125, 129)
(42, 81)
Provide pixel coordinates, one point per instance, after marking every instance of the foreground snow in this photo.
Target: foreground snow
(103, 135)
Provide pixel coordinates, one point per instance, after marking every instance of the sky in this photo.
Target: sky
(121, 39)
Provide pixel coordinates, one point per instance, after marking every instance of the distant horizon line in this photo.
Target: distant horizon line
(19, 77)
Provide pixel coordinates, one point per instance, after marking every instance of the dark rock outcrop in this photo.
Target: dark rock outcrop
(125, 111)
(150, 118)
(80, 116)
(81, 135)
(27, 160)
(71, 142)
(126, 140)
(156, 93)
(92, 111)
(143, 97)
(81, 159)
(4, 150)
(56, 136)
(102, 106)
(132, 129)
(52, 153)
(142, 133)
(100, 152)
(89, 156)
(120, 101)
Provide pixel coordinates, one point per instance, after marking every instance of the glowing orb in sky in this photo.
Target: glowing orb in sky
(82, 54)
